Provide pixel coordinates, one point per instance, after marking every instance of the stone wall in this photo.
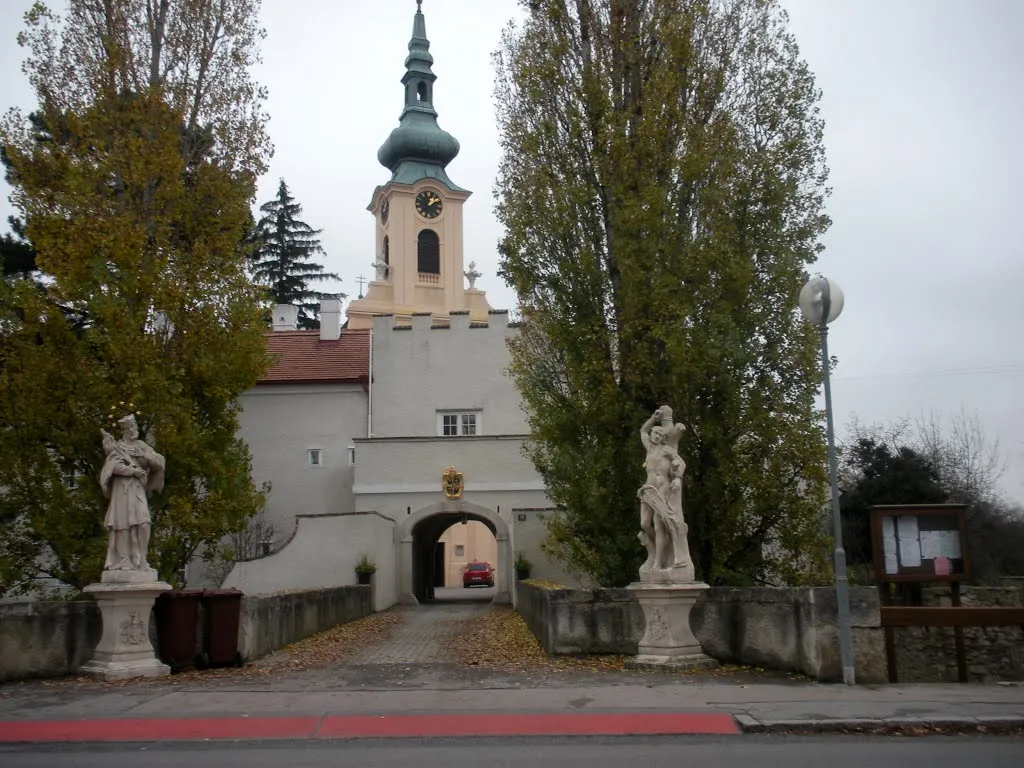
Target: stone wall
(786, 629)
(928, 654)
(46, 639)
(791, 629)
(578, 621)
(269, 622)
(54, 639)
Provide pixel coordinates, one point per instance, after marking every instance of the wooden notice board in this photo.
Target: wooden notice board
(920, 542)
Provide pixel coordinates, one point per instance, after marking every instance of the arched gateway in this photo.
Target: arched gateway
(417, 536)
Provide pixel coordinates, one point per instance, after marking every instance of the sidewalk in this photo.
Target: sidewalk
(276, 710)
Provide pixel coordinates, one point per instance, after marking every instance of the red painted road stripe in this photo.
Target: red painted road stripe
(158, 729)
(345, 726)
(554, 724)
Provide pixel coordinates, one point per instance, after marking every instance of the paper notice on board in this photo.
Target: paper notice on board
(941, 566)
(908, 527)
(890, 562)
(889, 546)
(949, 544)
(910, 552)
(888, 527)
(931, 545)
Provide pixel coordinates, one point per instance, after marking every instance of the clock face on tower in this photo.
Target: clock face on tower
(385, 209)
(428, 204)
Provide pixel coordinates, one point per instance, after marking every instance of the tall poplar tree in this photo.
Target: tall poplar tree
(662, 188)
(284, 245)
(134, 180)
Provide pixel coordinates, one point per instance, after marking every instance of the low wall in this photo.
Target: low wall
(46, 639)
(786, 629)
(791, 629)
(55, 638)
(579, 621)
(273, 621)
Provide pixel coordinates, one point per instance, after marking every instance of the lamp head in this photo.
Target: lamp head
(821, 301)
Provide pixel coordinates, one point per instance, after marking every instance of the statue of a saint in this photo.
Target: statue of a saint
(382, 267)
(131, 471)
(662, 528)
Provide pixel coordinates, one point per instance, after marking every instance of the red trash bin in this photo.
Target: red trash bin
(223, 609)
(177, 618)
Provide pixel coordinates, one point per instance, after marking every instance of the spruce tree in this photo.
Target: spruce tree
(281, 259)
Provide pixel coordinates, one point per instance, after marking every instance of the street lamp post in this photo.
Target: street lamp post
(821, 301)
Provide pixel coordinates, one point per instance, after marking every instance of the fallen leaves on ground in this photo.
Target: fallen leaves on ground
(544, 584)
(500, 640)
(332, 645)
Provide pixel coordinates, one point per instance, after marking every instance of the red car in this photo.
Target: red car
(478, 575)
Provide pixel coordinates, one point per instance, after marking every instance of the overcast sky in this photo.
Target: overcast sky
(924, 105)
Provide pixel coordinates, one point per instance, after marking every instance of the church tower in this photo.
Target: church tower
(418, 212)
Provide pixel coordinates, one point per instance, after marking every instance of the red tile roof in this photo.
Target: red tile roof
(300, 357)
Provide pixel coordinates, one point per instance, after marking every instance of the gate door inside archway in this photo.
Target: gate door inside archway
(443, 545)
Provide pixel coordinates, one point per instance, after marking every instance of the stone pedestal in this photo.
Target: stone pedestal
(124, 650)
(668, 643)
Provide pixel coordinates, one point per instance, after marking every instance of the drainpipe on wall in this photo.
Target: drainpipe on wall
(369, 392)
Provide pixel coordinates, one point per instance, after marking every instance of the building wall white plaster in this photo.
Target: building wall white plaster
(281, 423)
(420, 370)
(323, 553)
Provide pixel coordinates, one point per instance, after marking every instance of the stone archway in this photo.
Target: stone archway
(428, 523)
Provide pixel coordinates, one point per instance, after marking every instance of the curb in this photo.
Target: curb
(891, 725)
(369, 726)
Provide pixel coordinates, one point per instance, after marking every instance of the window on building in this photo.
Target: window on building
(316, 457)
(460, 550)
(428, 253)
(455, 424)
(387, 257)
(351, 455)
(421, 92)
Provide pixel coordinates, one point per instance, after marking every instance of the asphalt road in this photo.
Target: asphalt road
(731, 752)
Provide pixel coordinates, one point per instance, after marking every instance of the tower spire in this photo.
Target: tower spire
(418, 148)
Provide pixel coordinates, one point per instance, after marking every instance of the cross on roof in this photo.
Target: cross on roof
(360, 279)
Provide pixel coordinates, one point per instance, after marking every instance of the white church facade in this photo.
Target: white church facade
(355, 424)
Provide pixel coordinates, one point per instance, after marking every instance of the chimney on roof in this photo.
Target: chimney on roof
(286, 317)
(330, 319)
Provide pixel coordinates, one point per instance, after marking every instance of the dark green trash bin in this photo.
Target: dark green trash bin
(223, 608)
(177, 619)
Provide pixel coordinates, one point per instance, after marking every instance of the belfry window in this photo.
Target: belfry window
(387, 258)
(421, 91)
(428, 253)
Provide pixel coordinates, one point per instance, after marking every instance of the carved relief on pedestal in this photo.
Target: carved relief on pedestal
(133, 630)
(657, 626)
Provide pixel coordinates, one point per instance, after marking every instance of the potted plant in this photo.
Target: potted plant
(365, 568)
(522, 566)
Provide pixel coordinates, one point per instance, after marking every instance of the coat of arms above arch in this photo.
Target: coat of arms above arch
(452, 483)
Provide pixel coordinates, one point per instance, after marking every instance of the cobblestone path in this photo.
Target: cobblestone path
(424, 634)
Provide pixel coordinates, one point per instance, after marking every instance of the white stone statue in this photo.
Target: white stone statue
(472, 275)
(662, 527)
(382, 267)
(131, 471)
